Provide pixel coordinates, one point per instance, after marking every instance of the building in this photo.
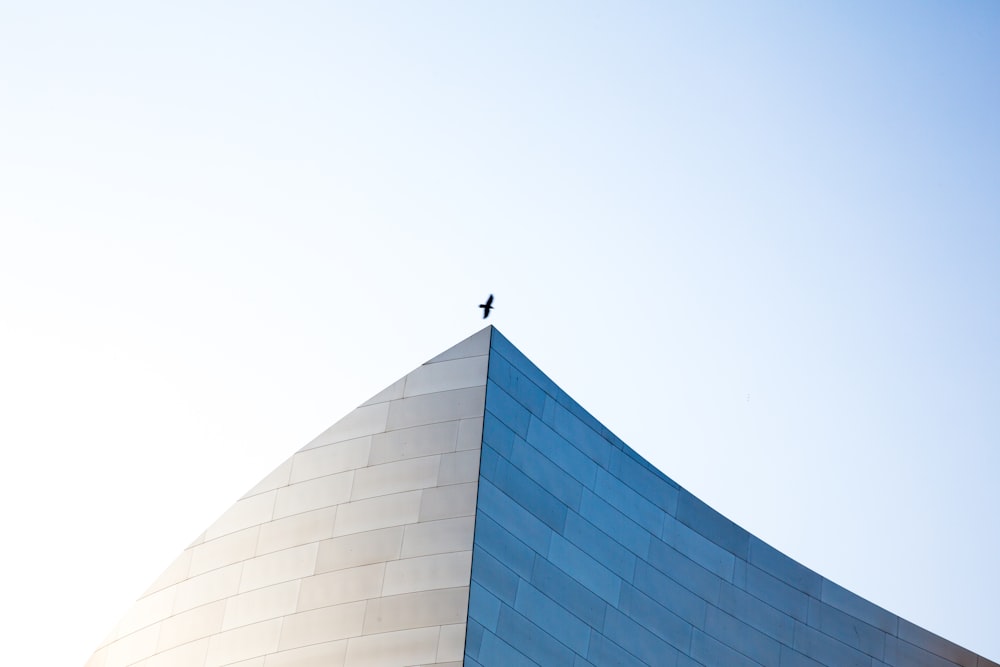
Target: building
(473, 513)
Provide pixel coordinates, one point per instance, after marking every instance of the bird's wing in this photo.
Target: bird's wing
(489, 301)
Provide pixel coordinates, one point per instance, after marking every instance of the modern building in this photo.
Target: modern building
(473, 513)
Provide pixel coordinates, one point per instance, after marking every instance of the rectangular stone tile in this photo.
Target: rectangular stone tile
(826, 649)
(340, 586)
(146, 611)
(504, 407)
(446, 376)
(757, 613)
(670, 594)
(250, 662)
(521, 523)
(439, 407)
(275, 479)
(396, 477)
(208, 587)
(502, 653)
(322, 625)
(742, 637)
(389, 649)
(133, 647)
(192, 653)
(497, 434)
(427, 573)
(588, 537)
(414, 442)
(709, 651)
(475, 345)
(703, 519)
(777, 593)
(280, 566)
(392, 392)
(542, 611)
(417, 610)
(935, 644)
(243, 643)
(529, 495)
(296, 530)
(366, 420)
(569, 593)
(444, 502)
(541, 470)
(615, 524)
(848, 629)
(502, 347)
(473, 639)
(740, 573)
(577, 465)
(373, 546)
(645, 480)
(531, 640)
(899, 653)
(581, 566)
(245, 513)
(684, 660)
(224, 550)
(699, 548)
(516, 384)
(682, 569)
(490, 459)
(603, 651)
(484, 607)
(443, 536)
(327, 654)
(176, 572)
(470, 434)
(260, 605)
(853, 605)
(314, 494)
(193, 624)
(779, 565)
(792, 658)
(655, 617)
(451, 645)
(459, 467)
(494, 576)
(507, 549)
(378, 512)
(630, 503)
(639, 641)
(583, 437)
(331, 459)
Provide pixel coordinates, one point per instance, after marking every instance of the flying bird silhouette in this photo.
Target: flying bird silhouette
(487, 307)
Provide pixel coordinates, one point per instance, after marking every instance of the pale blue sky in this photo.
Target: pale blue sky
(760, 243)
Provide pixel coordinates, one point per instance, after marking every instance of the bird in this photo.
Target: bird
(487, 307)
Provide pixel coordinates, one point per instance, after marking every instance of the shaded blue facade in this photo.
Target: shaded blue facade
(585, 554)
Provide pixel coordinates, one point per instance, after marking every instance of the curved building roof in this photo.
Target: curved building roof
(472, 513)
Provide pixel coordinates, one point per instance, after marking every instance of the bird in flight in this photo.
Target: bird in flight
(487, 307)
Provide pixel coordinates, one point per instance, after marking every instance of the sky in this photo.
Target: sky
(760, 242)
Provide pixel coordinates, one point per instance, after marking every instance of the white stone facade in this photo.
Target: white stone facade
(357, 550)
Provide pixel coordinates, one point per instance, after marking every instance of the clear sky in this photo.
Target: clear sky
(760, 242)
